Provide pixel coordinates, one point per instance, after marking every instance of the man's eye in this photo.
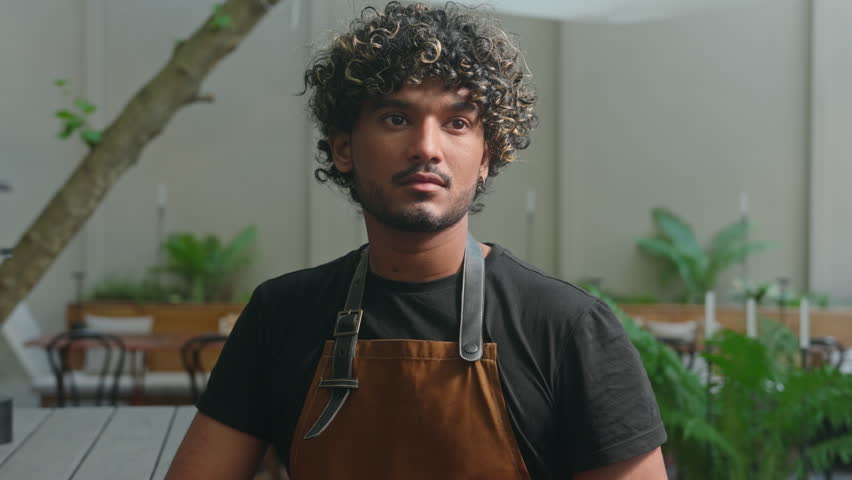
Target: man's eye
(458, 124)
(395, 119)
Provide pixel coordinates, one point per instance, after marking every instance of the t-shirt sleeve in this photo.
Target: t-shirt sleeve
(610, 413)
(234, 394)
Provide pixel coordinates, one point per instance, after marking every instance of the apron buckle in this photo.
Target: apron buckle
(348, 322)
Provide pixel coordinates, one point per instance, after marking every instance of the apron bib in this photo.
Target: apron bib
(412, 409)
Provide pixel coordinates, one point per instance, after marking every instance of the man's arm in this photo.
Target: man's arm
(649, 466)
(213, 450)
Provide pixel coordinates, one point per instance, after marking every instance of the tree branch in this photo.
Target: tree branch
(142, 119)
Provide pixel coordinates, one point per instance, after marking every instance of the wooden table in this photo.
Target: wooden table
(93, 443)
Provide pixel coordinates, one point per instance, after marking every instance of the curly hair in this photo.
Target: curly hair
(404, 44)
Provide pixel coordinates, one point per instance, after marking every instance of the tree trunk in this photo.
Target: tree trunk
(143, 118)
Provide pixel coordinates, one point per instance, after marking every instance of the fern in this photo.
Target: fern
(763, 410)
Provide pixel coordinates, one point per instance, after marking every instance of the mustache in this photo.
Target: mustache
(399, 177)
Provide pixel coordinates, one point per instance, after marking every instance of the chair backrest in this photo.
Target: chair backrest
(58, 350)
(18, 328)
(115, 325)
(680, 331)
(831, 350)
(191, 355)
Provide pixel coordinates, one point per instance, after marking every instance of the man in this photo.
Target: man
(424, 354)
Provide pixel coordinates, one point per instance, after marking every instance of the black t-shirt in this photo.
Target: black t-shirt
(575, 389)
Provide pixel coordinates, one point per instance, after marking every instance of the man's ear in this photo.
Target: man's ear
(483, 164)
(341, 151)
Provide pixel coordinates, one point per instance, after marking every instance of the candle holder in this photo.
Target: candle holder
(783, 282)
(79, 278)
(161, 220)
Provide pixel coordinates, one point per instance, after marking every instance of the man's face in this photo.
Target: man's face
(416, 156)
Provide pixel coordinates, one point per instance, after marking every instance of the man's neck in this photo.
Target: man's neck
(416, 257)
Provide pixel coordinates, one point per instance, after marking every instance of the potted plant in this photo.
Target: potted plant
(762, 417)
(205, 266)
(696, 267)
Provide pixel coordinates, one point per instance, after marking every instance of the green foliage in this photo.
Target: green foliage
(593, 284)
(681, 398)
(75, 119)
(767, 419)
(206, 265)
(772, 293)
(696, 267)
(770, 411)
(124, 288)
(220, 20)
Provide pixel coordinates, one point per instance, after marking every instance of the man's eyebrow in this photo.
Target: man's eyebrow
(464, 107)
(384, 102)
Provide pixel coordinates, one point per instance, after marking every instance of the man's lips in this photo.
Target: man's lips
(421, 178)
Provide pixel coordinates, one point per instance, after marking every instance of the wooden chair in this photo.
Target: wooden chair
(76, 385)
(827, 351)
(191, 355)
(679, 336)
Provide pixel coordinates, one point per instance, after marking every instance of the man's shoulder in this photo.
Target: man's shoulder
(512, 275)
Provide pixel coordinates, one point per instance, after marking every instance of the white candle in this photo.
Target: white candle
(530, 202)
(709, 315)
(162, 195)
(751, 318)
(804, 324)
(744, 204)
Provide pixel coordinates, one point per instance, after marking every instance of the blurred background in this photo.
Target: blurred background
(714, 114)
(683, 147)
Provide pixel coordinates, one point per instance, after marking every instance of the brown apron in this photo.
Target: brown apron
(412, 409)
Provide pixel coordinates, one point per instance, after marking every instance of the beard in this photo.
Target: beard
(413, 217)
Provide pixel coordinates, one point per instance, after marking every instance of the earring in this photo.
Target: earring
(480, 185)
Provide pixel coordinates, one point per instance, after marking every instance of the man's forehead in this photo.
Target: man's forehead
(458, 98)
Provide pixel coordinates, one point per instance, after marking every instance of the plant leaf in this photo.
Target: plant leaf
(92, 137)
(678, 232)
(84, 105)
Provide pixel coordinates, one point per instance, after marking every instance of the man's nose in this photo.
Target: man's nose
(425, 144)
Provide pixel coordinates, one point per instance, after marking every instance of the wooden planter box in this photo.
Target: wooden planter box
(168, 318)
(824, 322)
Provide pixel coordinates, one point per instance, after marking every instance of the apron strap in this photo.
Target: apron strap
(349, 322)
(472, 300)
(345, 339)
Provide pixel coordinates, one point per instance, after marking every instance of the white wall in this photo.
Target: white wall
(505, 218)
(33, 161)
(684, 113)
(239, 161)
(831, 176)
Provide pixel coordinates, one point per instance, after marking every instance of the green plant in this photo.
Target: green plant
(124, 288)
(220, 20)
(205, 265)
(697, 267)
(763, 416)
(594, 284)
(77, 117)
(771, 292)
(681, 398)
(776, 415)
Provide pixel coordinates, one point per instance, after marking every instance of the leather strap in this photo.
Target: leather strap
(349, 322)
(345, 339)
(472, 301)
